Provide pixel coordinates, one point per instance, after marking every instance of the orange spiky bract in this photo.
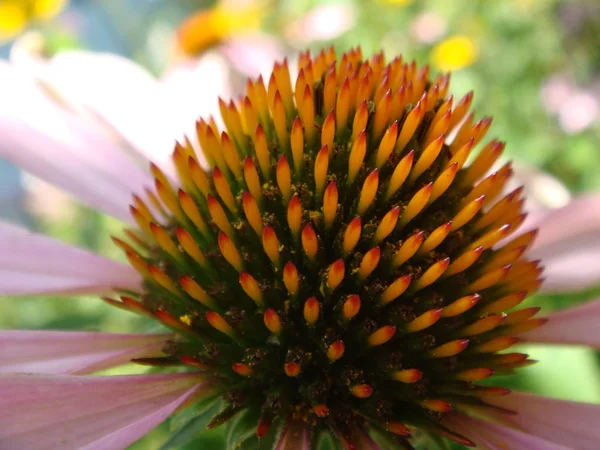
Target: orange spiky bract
(339, 263)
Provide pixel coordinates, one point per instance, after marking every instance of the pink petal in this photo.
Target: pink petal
(50, 142)
(33, 264)
(577, 325)
(580, 216)
(253, 54)
(496, 437)
(194, 86)
(572, 424)
(568, 244)
(53, 412)
(571, 265)
(123, 95)
(543, 191)
(72, 352)
(295, 436)
(322, 23)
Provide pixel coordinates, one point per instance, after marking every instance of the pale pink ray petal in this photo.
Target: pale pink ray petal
(124, 96)
(492, 436)
(543, 191)
(31, 263)
(571, 265)
(322, 23)
(253, 54)
(579, 216)
(577, 325)
(568, 244)
(55, 412)
(532, 221)
(50, 142)
(572, 424)
(73, 352)
(194, 86)
(295, 436)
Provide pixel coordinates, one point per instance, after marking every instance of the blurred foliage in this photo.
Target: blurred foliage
(506, 51)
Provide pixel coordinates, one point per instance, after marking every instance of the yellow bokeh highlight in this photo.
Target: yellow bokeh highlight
(16, 15)
(47, 9)
(397, 2)
(13, 19)
(207, 28)
(454, 53)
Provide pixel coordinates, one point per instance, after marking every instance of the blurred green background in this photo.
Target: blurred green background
(534, 66)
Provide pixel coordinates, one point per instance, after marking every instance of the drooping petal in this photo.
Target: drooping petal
(579, 216)
(572, 424)
(578, 325)
(73, 352)
(571, 265)
(124, 96)
(295, 436)
(253, 54)
(31, 263)
(568, 244)
(543, 192)
(54, 412)
(52, 143)
(322, 23)
(194, 86)
(492, 436)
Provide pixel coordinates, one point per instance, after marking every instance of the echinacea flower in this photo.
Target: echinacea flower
(232, 27)
(340, 274)
(209, 27)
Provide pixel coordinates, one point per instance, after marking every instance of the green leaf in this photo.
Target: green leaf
(188, 424)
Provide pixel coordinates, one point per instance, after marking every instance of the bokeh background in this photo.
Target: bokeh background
(534, 66)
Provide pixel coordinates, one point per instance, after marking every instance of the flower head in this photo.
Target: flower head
(339, 271)
(207, 28)
(336, 267)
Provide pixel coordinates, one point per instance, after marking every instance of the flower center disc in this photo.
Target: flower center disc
(339, 263)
